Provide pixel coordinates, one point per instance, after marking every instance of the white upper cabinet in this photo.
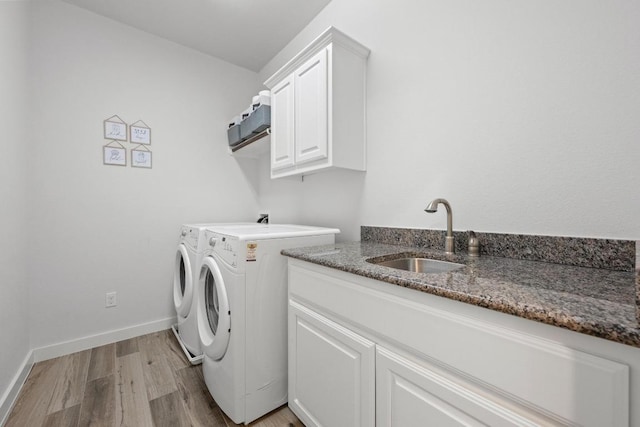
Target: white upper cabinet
(318, 108)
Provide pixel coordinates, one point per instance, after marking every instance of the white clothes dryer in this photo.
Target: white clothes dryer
(242, 314)
(187, 266)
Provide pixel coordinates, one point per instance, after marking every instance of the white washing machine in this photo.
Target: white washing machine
(242, 314)
(187, 267)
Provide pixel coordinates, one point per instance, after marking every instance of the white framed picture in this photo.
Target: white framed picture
(115, 129)
(141, 159)
(116, 156)
(139, 134)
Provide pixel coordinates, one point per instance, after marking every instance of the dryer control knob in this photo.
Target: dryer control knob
(212, 241)
(184, 233)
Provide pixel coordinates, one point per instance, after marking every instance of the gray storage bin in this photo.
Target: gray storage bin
(233, 134)
(258, 121)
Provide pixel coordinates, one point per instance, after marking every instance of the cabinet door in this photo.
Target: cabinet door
(282, 125)
(311, 114)
(410, 394)
(331, 371)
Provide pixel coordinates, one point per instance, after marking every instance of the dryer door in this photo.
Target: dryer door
(182, 282)
(214, 315)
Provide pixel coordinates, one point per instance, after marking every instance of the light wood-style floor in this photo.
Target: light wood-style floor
(143, 381)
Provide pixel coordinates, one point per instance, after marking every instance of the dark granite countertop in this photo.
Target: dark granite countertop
(593, 301)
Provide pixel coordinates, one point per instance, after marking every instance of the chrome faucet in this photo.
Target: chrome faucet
(449, 246)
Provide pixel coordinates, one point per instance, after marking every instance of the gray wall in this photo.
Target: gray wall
(524, 115)
(109, 228)
(14, 140)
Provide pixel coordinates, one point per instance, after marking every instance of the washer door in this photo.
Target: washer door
(182, 282)
(214, 315)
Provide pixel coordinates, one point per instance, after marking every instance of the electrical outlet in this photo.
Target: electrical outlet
(111, 300)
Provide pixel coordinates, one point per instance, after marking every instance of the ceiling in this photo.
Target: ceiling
(247, 33)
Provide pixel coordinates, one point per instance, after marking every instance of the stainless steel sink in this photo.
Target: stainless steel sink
(420, 265)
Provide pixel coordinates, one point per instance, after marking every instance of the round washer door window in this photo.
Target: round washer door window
(182, 282)
(214, 315)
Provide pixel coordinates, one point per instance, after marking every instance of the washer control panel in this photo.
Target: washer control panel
(226, 247)
(189, 236)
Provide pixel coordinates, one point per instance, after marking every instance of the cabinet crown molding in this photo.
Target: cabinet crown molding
(329, 36)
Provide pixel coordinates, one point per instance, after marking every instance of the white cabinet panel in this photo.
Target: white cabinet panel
(331, 372)
(310, 82)
(282, 131)
(417, 394)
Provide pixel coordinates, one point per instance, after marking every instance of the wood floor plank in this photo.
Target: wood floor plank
(72, 377)
(281, 417)
(158, 374)
(33, 400)
(227, 421)
(168, 411)
(99, 403)
(290, 417)
(65, 418)
(132, 404)
(121, 398)
(103, 361)
(196, 398)
(286, 417)
(172, 350)
(126, 347)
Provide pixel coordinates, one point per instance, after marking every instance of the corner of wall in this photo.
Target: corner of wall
(8, 399)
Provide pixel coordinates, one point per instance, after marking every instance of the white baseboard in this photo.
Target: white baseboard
(85, 343)
(9, 397)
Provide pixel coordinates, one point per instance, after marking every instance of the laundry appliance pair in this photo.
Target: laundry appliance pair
(186, 271)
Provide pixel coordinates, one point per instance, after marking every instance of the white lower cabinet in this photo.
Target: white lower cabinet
(331, 372)
(366, 353)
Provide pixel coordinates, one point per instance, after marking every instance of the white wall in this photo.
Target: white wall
(14, 290)
(524, 115)
(106, 228)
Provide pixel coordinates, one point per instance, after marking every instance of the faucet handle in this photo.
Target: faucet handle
(474, 244)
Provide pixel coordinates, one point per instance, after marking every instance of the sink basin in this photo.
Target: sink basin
(421, 265)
